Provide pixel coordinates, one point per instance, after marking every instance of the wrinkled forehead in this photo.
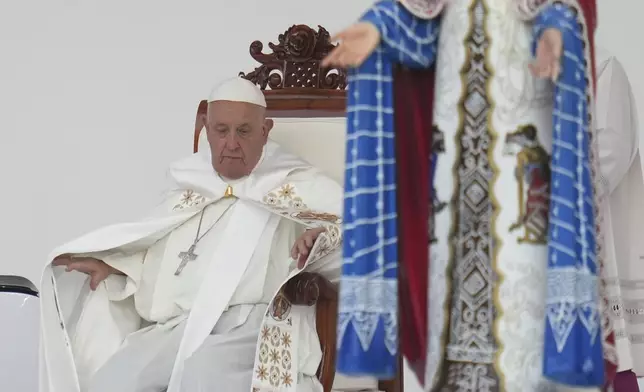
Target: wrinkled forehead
(231, 112)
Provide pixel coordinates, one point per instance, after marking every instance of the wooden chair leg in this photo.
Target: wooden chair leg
(397, 384)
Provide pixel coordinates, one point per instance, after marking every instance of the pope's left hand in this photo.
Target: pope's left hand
(548, 59)
(304, 244)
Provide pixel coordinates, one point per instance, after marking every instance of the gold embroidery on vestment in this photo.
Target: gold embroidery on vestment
(284, 197)
(317, 216)
(262, 374)
(280, 307)
(287, 380)
(286, 340)
(189, 198)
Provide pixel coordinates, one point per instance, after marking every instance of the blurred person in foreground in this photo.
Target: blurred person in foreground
(477, 116)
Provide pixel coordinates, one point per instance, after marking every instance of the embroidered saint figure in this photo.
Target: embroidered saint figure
(533, 184)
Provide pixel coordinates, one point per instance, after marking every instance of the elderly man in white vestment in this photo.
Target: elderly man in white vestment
(189, 298)
(623, 213)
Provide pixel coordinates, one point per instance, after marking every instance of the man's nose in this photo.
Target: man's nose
(232, 143)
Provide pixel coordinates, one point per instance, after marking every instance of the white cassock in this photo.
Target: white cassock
(621, 167)
(216, 326)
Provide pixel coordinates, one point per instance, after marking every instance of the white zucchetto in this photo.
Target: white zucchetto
(238, 90)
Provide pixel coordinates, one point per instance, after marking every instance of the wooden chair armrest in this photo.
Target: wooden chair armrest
(309, 288)
(313, 289)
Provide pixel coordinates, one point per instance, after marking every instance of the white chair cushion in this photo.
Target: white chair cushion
(319, 141)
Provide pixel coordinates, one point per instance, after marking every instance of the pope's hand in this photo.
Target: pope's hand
(303, 245)
(97, 269)
(358, 42)
(549, 50)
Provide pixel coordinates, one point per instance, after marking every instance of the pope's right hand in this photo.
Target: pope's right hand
(97, 269)
(358, 42)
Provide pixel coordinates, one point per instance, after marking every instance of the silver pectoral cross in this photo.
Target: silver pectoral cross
(185, 257)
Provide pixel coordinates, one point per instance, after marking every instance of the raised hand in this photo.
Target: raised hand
(97, 269)
(357, 43)
(548, 58)
(302, 247)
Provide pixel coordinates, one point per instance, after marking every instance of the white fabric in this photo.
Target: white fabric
(237, 90)
(145, 362)
(162, 296)
(621, 167)
(227, 268)
(94, 327)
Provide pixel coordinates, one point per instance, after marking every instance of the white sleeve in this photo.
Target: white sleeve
(616, 122)
(121, 287)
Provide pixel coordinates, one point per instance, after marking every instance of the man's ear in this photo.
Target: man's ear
(268, 125)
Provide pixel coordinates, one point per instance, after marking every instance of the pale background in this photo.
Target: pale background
(96, 97)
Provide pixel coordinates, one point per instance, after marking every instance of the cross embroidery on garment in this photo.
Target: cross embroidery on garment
(185, 257)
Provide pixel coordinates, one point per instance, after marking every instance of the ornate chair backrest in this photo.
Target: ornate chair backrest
(306, 101)
(308, 105)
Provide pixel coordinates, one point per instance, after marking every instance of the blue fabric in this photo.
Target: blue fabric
(368, 310)
(573, 339)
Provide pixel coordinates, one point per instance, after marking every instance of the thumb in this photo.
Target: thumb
(94, 280)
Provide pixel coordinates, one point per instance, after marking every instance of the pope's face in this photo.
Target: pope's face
(237, 133)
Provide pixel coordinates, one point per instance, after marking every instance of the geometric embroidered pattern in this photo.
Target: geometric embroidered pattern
(471, 344)
(364, 305)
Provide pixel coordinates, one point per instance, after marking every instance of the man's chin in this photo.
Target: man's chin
(231, 174)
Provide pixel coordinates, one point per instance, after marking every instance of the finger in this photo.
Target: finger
(339, 36)
(72, 267)
(536, 69)
(294, 251)
(556, 69)
(546, 72)
(350, 59)
(341, 62)
(558, 48)
(533, 68)
(359, 59)
(95, 280)
(308, 240)
(61, 260)
(79, 266)
(332, 58)
(302, 249)
(301, 261)
(539, 70)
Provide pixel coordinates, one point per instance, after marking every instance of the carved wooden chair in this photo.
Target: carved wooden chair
(295, 86)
